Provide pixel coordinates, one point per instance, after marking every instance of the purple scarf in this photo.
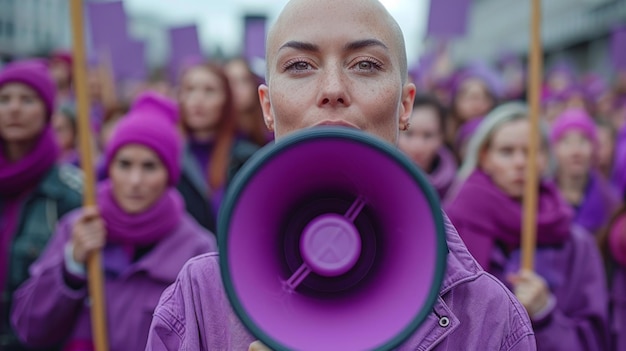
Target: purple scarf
(486, 215)
(17, 177)
(443, 175)
(141, 229)
(597, 206)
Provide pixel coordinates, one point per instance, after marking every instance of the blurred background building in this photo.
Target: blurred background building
(33, 27)
(577, 31)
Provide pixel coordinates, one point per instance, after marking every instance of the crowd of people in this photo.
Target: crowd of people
(165, 153)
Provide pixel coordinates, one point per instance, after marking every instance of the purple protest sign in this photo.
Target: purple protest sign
(129, 60)
(618, 48)
(184, 46)
(107, 24)
(448, 18)
(254, 37)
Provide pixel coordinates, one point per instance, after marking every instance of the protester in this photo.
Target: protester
(574, 137)
(244, 84)
(566, 296)
(141, 227)
(66, 133)
(34, 191)
(476, 91)
(213, 153)
(423, 143)
(342, 63)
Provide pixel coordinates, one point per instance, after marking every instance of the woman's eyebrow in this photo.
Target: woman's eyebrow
(300, 45)
(360, 44)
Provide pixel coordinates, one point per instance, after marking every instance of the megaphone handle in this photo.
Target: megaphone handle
(296, 278)
(355, 209)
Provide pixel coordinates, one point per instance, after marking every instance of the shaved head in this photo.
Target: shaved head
(371, 11)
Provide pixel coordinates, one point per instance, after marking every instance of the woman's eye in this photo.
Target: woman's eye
(368, 65)
(300, 66)
(365, 65)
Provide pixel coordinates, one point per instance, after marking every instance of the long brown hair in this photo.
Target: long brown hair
(224, 131)
(258, 133)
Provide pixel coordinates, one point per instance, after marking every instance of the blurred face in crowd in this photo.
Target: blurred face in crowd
(505, 157)
(202, 97)
(472, 100)
(336, 63)
(64, 130)
(243, 85)
(606, 140)
(424, 138)
(574, 152)
(22, 113)
(61, 73)
(138, 177)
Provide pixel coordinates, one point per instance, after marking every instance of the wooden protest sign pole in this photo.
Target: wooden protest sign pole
(94, 267)
(529, 225)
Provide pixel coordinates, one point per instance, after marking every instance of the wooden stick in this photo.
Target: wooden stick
(94, 267)
(529, 225)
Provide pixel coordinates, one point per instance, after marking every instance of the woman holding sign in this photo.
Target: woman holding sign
(142, 229)
(566, 298)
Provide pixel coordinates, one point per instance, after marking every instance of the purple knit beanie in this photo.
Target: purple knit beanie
(574, 119)
(151, 122)
(35, 74)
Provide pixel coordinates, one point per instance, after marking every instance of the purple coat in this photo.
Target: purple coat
(618, 309)
(46, 311)
(483, 314)
(619, 162)
(575, 275)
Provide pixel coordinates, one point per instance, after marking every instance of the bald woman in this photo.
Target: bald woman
(342, 63)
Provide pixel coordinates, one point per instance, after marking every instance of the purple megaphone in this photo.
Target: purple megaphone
(331, 239)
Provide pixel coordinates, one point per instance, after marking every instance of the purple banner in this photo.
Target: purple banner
(254, 37)
(184, 47)
(618, 48)
(448, 18)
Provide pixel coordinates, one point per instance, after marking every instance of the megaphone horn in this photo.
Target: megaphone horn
(331, 240)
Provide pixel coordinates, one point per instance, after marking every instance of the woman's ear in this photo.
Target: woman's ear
(406, 105)
(266, 106)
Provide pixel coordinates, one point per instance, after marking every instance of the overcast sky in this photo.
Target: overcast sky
(219, 21)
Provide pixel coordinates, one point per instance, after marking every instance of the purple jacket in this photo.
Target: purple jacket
(575, 275)
(483, 314)
(618, 309)
(46, 311)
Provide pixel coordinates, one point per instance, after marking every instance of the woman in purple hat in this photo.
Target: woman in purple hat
(140, 225)
(476, 91)
(213, 152)
(574, 138)
(566, 297)
(423, 143)
(34, 191)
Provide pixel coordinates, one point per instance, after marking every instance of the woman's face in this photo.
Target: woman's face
(473, 100)
(22, 113)
(138, 176)
(506, 156)
(606, 145)
(64, 131)
(574, 152)
(422, 140)
(243, 86)
(202, 97)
